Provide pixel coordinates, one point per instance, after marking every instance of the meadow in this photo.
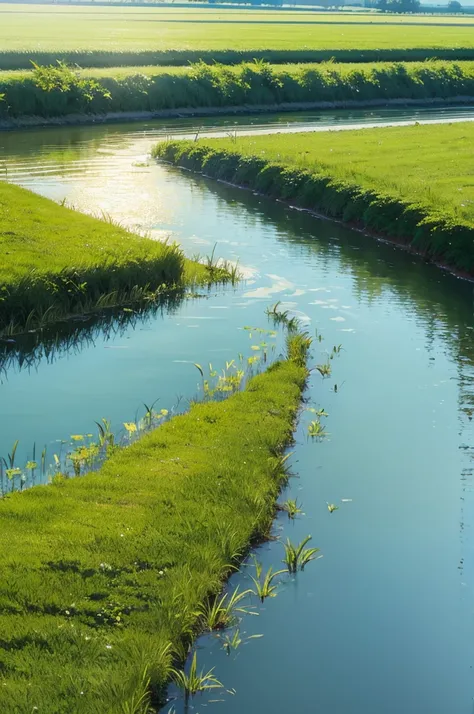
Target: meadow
(59, 92)
(136, 36)
(57, 262)
(109, 577)
(413, 184)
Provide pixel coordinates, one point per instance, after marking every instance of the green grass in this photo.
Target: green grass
(178, 36)
(104, 573)
(202, 85)
(57, 262)
(413, 184)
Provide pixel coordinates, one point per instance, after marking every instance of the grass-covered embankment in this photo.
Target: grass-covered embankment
(59, 92)
(57, 262)
(104, 574)
(411, 184)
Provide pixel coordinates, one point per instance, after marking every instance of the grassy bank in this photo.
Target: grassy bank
(103, 574)
(58, 92)
(410, 184)
(57, 262)
(147, 35)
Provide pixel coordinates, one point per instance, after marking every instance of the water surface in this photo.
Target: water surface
(384, 621)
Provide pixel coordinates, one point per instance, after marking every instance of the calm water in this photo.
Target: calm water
(384, 621)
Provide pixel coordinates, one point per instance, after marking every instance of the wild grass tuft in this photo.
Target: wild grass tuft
(297, 556)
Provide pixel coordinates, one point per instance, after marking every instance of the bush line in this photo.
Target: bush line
(11, 60)
(57, 262)
(61, 92)
(104, 575)
(439, 238)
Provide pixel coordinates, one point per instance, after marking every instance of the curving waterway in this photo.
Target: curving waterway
(384, 621)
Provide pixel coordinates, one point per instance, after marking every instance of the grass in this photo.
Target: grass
(57, 92)
(134, 36)
(57, 262)
(105, 575)
(413, 184)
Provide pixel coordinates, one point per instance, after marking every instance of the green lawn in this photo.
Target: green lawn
(56, 261)
(413, 184)
(103, 573)
(432, 165)
(46, 27)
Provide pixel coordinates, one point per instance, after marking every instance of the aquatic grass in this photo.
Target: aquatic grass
(297, 556)
(264, 585)
(324, 369)
(224, 611)
(316, 429)
(57, 263)
(291, 507)
(194, 682)
(412, 191)
(105, 573)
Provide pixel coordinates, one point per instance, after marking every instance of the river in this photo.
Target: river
(384, 621)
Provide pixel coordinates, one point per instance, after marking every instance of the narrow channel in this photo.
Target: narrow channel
(384, 621)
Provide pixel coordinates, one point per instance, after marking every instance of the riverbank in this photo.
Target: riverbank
(244, 110)
(59, 95)
(59, 263)
(389, 196)
(102, 583)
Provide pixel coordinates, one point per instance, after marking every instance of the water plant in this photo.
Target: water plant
(324, 369)
(264, 584)
(193, 682)
(297, 556)
(291, 508)
(316, 429)
(223, 612)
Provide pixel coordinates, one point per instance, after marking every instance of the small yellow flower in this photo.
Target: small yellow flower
(77, 437)
(130, 426)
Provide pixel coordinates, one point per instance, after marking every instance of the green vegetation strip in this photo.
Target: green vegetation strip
(59, 91)
(57, 262)
(104, 575)
(16, 60)
(410, 184)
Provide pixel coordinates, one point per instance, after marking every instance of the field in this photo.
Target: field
(36, 29)
(105, 576)
(413, 184)
(57, 262)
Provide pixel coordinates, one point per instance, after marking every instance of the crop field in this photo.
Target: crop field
(48, 28)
